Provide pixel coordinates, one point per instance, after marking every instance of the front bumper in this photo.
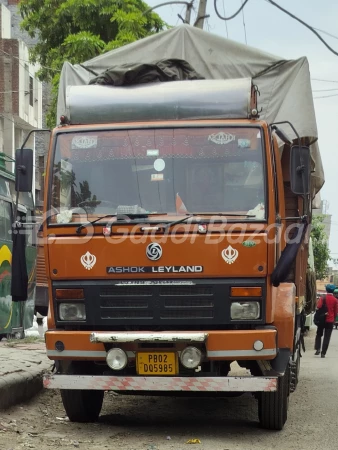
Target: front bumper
(161, 384)
(219, 345)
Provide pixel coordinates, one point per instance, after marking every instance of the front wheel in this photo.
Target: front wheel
(273, 406)
(82, 405)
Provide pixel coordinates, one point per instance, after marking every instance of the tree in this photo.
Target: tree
(78, 30)
(320, 243)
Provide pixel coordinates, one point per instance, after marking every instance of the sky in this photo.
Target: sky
(272, 31)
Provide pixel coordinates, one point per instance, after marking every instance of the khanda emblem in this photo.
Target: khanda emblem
(230, 255)
(221, 138)
(88, 261)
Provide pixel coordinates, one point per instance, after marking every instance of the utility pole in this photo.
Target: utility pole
(202, 7)
(199, 23)
(188, 12)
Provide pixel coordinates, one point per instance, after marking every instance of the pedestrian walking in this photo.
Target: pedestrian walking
(329, 304)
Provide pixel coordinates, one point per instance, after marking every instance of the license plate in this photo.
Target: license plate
(159, 363)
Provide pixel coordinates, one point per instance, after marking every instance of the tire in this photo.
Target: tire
(82, 405)
(17, 335)
(295, 372)
(273, 406)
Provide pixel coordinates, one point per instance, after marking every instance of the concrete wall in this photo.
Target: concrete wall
(30, 100)
(6, 24)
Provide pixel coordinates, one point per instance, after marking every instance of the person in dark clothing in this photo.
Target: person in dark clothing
(336, 295)
(327, 327)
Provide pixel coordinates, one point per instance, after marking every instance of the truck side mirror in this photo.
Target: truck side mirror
(300, 161)
(23, 170)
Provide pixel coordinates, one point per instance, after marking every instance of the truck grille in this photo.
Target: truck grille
(162, 304)
(125, 291)
(168, 302)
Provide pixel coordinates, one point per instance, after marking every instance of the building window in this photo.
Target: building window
(41, 163)
(31, 91)
(41, 172)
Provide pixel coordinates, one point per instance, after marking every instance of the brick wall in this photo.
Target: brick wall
(9, 76)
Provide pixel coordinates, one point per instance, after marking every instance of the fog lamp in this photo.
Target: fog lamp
(116, 359)
(258, 346)
(191, 357)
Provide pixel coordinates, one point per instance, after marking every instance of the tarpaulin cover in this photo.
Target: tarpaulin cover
(284, 85)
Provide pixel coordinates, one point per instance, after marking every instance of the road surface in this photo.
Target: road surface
(157, 423)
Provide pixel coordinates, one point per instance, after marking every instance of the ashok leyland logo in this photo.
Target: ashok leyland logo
(230, 255)
(154, 251)
(88, 261)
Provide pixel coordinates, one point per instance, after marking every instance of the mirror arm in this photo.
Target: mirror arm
(31, 132)
(290, 124)
(22, 169)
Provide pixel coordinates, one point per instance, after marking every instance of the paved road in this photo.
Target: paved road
(136, 423)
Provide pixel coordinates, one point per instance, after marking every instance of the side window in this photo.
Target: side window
(5, 220)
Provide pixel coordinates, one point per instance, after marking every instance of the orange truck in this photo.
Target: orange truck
(175, 244)
(176, 220)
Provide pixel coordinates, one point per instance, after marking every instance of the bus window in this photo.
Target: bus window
(29, 228)
(5, 220)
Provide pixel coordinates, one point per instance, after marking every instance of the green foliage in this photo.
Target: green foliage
(78, 30)
(321, 250)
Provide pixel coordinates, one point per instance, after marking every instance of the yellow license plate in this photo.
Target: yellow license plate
(158, 363)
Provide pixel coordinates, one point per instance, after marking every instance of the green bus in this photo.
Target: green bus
(15, 316)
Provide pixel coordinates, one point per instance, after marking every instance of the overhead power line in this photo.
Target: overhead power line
(324, 90)
(326, 96)
(27, 62)
(244, 26)
(284, 11)
(326, 32)
(225, 23)
(324, 81)
(305, 25)
(230, 17)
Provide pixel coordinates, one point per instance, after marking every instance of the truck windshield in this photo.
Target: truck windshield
(171, 171)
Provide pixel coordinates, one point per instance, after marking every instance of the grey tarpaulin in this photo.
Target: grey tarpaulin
(284, 85)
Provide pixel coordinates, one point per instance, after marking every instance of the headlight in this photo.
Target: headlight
(72, 311)
(245, 310)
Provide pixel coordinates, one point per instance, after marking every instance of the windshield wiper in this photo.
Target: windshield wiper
(120, 219)
(84, 225)
(223, 214)
(176, 222)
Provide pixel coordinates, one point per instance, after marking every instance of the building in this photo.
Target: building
(23, 98)
(323, 210)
